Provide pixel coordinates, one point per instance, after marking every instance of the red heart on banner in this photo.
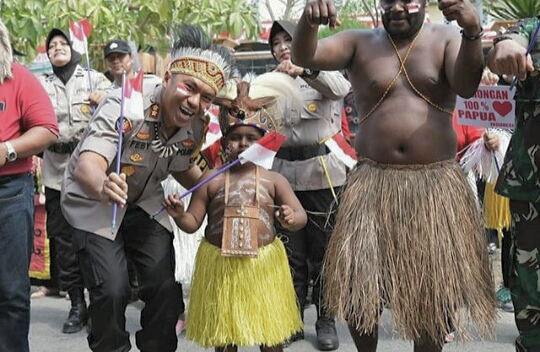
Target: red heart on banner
(503, 108)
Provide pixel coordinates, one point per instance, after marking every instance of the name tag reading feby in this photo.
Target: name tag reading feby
(491, 106)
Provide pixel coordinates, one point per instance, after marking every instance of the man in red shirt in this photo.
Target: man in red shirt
(27, 126)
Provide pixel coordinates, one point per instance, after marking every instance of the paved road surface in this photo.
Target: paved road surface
(48, 315)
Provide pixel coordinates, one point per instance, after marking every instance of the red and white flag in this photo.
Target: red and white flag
(133, 98)
(214, 131)
(79, 32)
(264, 150)
(340, 148)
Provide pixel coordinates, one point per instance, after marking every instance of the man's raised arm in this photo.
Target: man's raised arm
(327, 54)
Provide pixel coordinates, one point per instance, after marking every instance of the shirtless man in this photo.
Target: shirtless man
(406, 198)
(242, 292)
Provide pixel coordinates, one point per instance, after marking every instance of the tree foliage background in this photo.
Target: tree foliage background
(347, 12)
(512, 9)
(147, 23)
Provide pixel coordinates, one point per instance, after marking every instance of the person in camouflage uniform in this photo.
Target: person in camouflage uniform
(519, 178)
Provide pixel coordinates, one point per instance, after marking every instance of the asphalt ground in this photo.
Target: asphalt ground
(49, 313)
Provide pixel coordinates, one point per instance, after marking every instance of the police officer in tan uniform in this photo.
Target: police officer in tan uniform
(159, 142)
(315, 174)
(120, 59)
(74, 98)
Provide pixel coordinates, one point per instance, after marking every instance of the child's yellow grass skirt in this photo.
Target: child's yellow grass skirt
(242, 301)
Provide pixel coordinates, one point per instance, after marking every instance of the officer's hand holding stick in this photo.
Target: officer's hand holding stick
(119, 152)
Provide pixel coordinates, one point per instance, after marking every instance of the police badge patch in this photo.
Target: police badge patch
(85, 109)
(136, 157)
(128, 170)
(188, 143)
(144, 133)
(127, 125)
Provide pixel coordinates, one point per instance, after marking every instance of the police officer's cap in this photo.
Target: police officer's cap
(117, 46)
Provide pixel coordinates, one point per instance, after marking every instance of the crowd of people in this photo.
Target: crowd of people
(363, 239)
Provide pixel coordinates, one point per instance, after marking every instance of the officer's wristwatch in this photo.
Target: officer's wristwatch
(11, 153)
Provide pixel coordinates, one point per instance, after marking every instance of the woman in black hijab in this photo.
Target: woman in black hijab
(63, 58)
(74, 93)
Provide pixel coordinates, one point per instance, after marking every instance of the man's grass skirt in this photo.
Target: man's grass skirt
(242, 301)
(411, 238)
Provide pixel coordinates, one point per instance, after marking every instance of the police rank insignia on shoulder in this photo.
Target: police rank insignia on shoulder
(136, 157)
(127, 125)
(85, 109)
(128, 170)
(154, 111)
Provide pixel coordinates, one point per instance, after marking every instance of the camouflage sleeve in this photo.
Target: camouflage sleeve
(523, 31)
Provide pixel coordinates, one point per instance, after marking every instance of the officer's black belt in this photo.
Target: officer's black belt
(301, 153)
(63, 148)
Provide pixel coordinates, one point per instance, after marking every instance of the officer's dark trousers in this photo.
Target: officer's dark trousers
(103, 263)
(59, 231)
(306, 248)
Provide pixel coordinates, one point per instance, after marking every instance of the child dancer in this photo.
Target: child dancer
(242, 292)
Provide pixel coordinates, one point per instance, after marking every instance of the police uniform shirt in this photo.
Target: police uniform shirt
(148, 79)
(144, 167)
(73, 111)
(317, 119)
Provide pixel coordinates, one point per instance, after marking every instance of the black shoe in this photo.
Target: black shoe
(76, 320)
(327, 339)
(299, 335)
(77, 314)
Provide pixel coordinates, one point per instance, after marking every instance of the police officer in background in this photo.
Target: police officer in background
(160, 142)
(68, 87)
(314, 174)
(119, 58)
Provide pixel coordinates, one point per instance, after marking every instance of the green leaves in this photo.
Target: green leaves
(514, 9)
(347, 16)
(148, 23)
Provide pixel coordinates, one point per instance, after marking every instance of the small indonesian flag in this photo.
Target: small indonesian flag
(340, 148)
(79, 32)
(263, 152)
(214, 131)
(133, 99)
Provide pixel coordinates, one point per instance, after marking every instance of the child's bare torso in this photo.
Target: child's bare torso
(242, 186)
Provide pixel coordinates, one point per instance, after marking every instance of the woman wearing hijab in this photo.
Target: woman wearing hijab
(74, 98)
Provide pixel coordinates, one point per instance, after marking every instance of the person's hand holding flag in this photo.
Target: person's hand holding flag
(132, 104)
